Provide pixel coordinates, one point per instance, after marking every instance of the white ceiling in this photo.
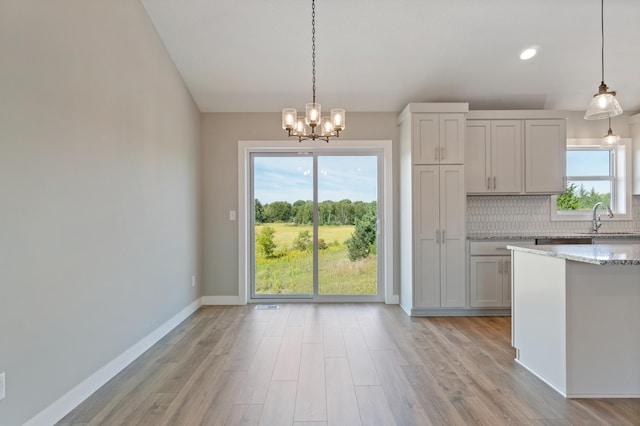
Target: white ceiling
(379, 55)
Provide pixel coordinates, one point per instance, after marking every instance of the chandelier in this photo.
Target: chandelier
(313, 126)
(604, 103)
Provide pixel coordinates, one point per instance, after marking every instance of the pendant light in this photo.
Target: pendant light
(305, 127)
(604, 103)
(610, 139)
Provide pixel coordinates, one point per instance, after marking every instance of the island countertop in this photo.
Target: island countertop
(602, 236)
(597, 254)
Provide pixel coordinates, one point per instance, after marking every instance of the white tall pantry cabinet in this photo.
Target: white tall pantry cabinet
(432, 207)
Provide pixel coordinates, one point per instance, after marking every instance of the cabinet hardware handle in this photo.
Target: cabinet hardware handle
(489, 182)
(437, 152)
(443, 237)
(500, 266)
(507, 267)
(437, 237)
(443, 152)
(494, 182)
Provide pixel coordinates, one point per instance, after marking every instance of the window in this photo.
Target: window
(594, 174)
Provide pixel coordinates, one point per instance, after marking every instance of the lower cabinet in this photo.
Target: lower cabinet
(490, 281)
(490, 274)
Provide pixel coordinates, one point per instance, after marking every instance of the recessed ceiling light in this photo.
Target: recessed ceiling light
(528, 54)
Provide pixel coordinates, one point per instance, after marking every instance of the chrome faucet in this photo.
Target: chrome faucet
(597, 223)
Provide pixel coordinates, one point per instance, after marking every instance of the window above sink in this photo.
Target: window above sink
(595, 174)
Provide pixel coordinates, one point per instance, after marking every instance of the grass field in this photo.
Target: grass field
(291, 272)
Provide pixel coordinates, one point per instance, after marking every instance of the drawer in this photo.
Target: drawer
(494, 248)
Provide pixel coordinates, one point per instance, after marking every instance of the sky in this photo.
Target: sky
(589, 163)
(290, 178)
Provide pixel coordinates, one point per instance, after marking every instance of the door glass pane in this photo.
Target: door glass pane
(283, 225)
(347, 216)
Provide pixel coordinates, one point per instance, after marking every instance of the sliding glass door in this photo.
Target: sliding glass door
(315, 225)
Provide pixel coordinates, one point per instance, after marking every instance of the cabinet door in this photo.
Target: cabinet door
(426, 269)
(486, 284)
(506, 156)
(506, 281)
(452, 236)
(452, 136)
(477, 151)
(426, 139)
(545, 156)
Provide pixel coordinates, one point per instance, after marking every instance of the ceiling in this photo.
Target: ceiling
(379, 55)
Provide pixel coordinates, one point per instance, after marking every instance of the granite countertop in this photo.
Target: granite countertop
(530, 235)
(598, 254)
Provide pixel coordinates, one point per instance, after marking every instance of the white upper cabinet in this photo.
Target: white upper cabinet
(545, 156)
(438, 138)
(506, 156)
(515, 156)
(494, 157)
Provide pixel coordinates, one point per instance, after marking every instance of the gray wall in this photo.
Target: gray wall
(220, 135)
(99, 192)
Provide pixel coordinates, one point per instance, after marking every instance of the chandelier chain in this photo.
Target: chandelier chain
(313, 47)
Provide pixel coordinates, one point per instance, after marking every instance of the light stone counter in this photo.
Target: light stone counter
(597, 254)
(545, 235)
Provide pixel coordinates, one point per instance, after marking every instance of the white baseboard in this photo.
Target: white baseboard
(56, 411)
(393, 299)
(221, 300)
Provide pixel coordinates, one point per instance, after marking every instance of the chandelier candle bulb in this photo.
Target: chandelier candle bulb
(327, 126)
(289, 118)
(313, 114)
(300, 127)
(338, 119)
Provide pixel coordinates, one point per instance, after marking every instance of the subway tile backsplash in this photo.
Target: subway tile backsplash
(531, 214)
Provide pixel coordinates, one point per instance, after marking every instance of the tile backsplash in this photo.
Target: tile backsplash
(531, 214)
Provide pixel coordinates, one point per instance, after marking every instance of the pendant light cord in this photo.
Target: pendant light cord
(313, 47)
(602, 36)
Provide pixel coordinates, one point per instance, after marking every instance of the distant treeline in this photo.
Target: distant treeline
(343, 212)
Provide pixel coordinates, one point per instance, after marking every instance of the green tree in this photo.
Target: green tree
(259, 211)
(264, 241)
(278, 211)
(568, 200)
(302, 212)
(363, 240)
(303, 241)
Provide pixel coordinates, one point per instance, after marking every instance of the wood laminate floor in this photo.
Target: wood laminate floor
(337, 364)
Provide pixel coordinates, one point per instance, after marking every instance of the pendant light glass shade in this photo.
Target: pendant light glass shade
(610, 139)
(603, 105)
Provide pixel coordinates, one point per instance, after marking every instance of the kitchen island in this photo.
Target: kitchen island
(576, 317)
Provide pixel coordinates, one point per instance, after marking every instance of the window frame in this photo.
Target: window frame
(620, 176)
